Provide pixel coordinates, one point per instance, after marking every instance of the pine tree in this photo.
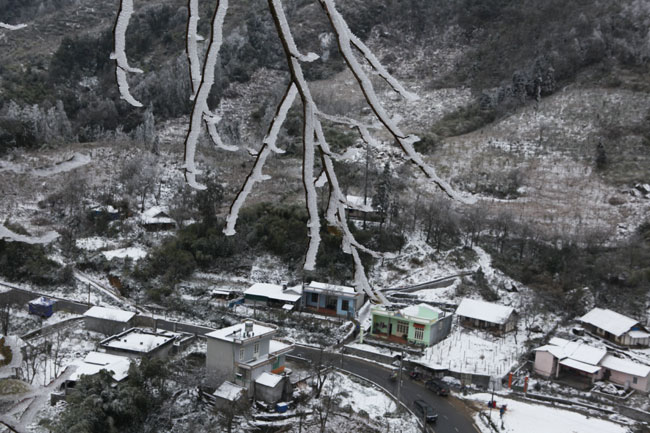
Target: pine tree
(382, 199)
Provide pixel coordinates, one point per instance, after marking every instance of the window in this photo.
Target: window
(345, 305)
(634, 380)
(241, 353)
(256, 349)
(402, 327)
(419, 334)
(314, 297)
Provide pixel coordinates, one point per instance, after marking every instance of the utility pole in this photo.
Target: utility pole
(89, 294)
(491, 403)
(399, 377)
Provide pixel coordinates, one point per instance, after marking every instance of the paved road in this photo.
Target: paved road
(452, 417)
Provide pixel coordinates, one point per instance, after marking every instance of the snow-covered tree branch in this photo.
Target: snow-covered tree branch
(315, 145)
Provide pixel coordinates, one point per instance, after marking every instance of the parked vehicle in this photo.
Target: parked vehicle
(437, 386)
(424, 410)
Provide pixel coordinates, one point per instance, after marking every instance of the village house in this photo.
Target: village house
(331, 299)
(228, 395)
(117, 366)
(417, 324)
(495, 318)
(357, 209)
(108, 321)
(241, 353)
(157, 219)
(615, 327)
(582, 363)
(136, 342)
(273, 295)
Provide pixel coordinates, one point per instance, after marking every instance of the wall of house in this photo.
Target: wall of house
(440, 329)
(106, 327)
(351, 306)
(627, 379)
(307, 297)
(220, 358)
(545, 363)
(380, 324)
(269, 394)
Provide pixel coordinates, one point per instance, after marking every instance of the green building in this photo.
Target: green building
(417, 324)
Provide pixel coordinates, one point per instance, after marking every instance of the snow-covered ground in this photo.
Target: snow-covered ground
(476, 352)
(524, 417)
(359, 396)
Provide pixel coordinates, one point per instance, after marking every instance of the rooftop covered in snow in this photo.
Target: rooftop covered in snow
(237, 333)
(608, 320)
(139, 341)
(268, 379)
(318, 287)
(229, 391)
(275, 291)
(94, 362)
(485, 311)
(422, 313)
(625, 366)
(109, 314)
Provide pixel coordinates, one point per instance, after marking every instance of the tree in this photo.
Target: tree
(315, 144)
(383, 196)
(5, 317)
(139, 175)
(208, 200)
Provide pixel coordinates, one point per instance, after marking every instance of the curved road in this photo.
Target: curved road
(452, 416)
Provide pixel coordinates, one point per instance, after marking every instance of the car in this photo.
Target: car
(437, 386)
(424, 410)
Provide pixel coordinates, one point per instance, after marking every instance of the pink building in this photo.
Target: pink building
(575, 358)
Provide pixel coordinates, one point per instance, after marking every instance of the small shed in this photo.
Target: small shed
(42, 306)
(269, 387)
(228, 394)
(157, 219)
(108, 321)
(486, 315)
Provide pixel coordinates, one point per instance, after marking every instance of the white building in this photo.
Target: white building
(241, 353)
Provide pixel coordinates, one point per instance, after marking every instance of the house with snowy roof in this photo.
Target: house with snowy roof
(117, 366)
(563, 358)
(615, 327)
(108, 321)
(359, 208)
(331, 299)
(139, 342)
(242, 352)
(417, 324)
(495, 318)
(157, 218)
(273, 295)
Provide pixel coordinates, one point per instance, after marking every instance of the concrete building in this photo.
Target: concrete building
(417, 324)
(627, 373)
(331, 299)
(241, 353)
(228, 395)
(108, 321)
(136, 342)
(273, 295)
(269, 387)
(615, 327)
(495, 318)
(561, 358)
